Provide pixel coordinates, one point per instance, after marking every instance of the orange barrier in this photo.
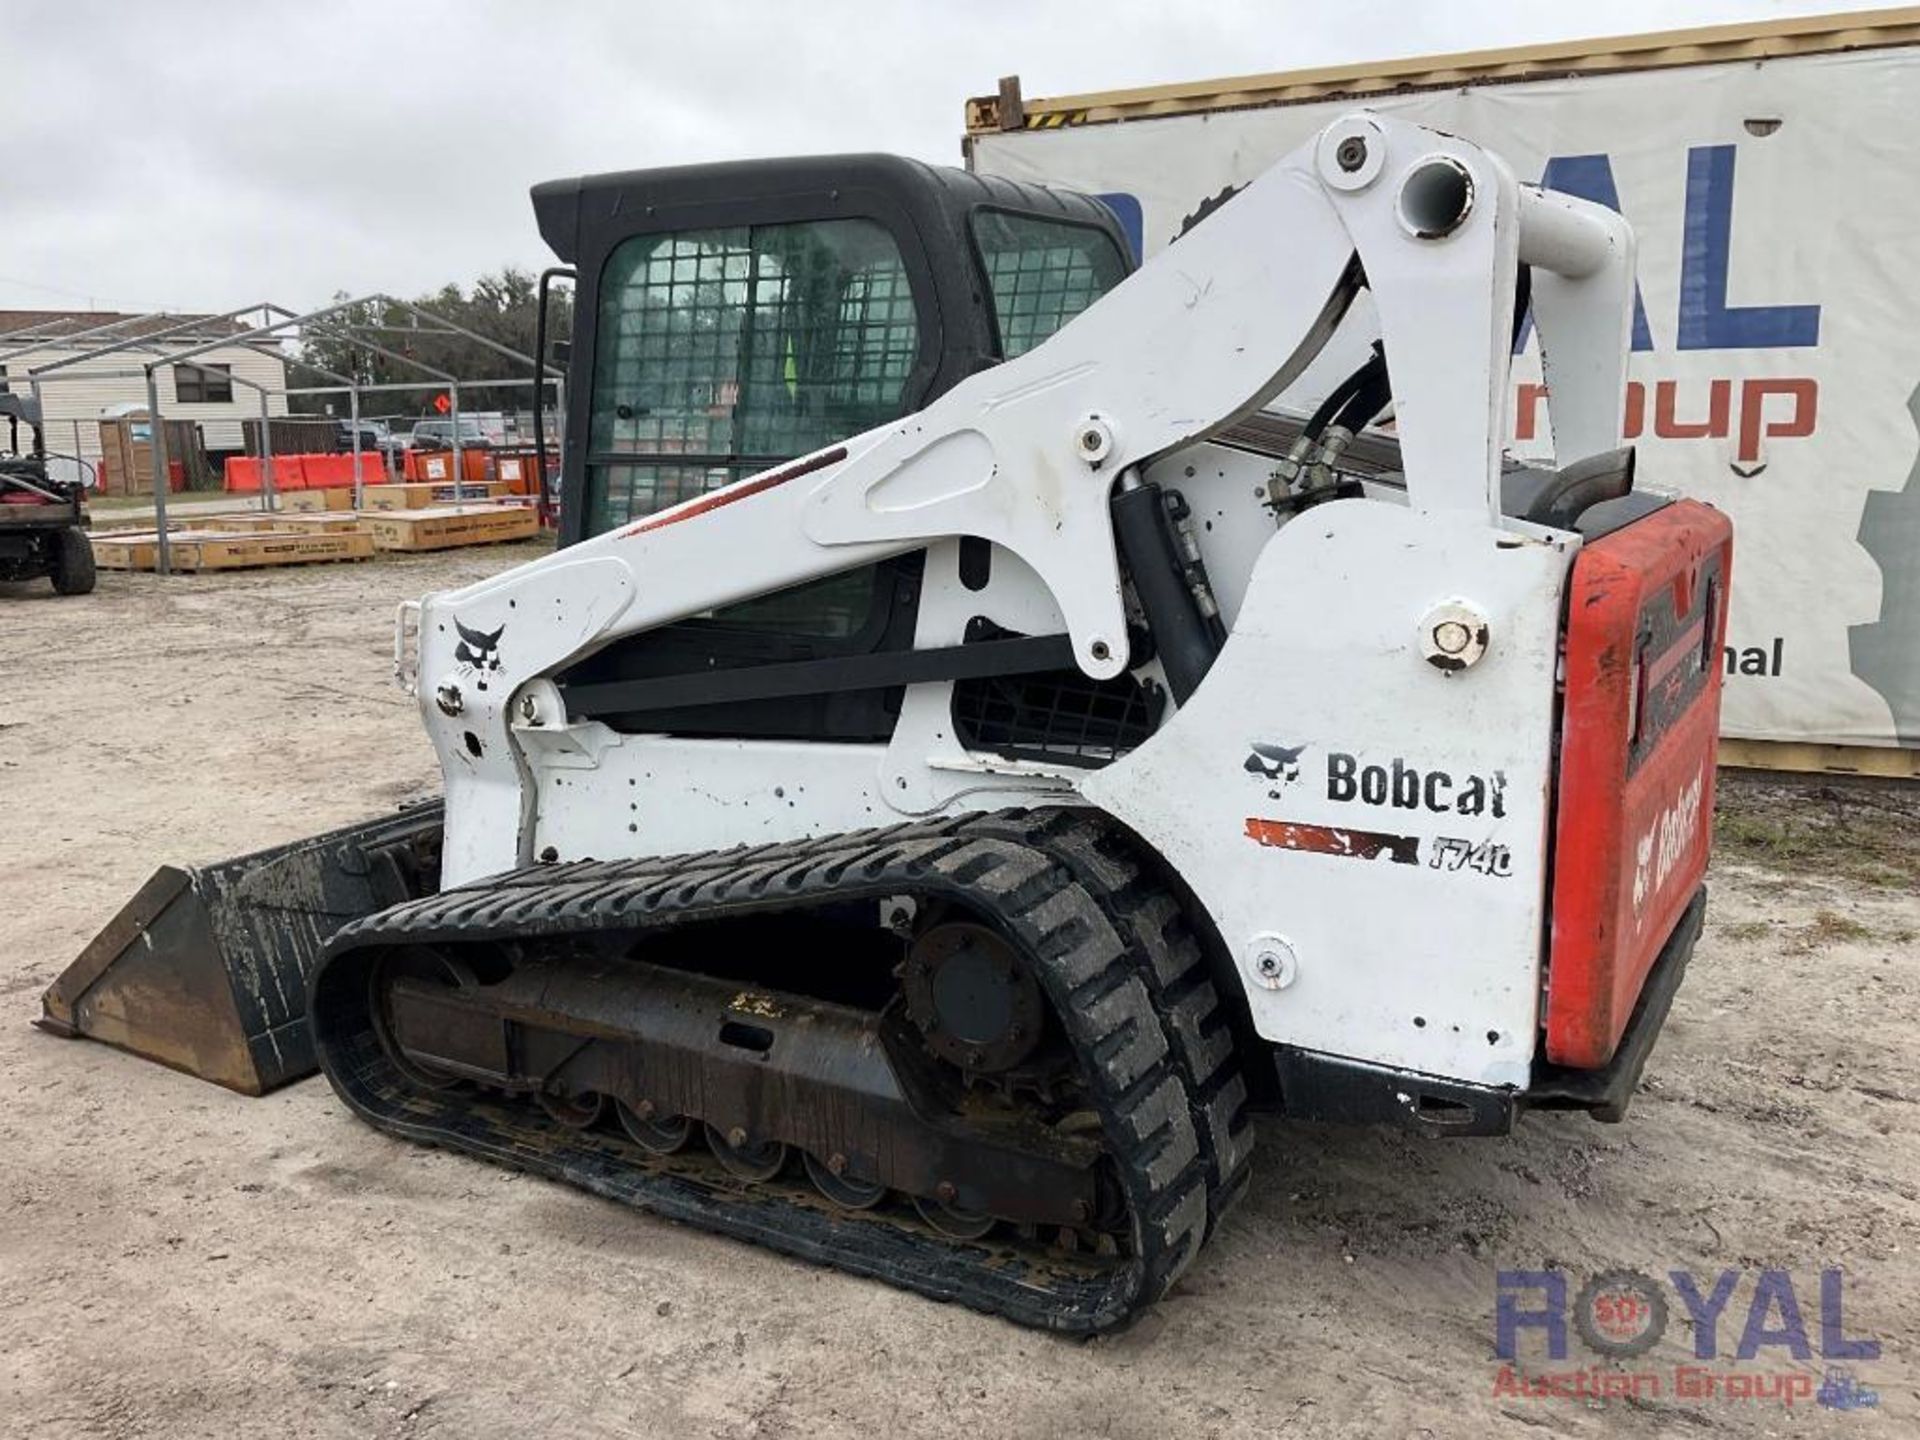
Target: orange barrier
(304, 472)
(243, 473)
(336, 471)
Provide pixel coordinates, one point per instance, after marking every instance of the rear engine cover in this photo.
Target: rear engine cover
(1646, 622)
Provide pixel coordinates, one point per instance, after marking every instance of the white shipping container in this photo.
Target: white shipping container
(1770, 175)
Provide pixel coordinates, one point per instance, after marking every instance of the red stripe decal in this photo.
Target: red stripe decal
(1335, 840)
(739, 490)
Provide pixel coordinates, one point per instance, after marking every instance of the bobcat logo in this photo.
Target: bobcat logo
(1643, 869)
(1277, 764)
(478, 652)
(1670, 838)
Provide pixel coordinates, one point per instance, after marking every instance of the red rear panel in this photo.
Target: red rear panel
(1646, 620)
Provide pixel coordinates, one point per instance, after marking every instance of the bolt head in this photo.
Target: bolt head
(529, 709)
(1272, 962)
(836, 1164)
(946, 1192)
(1094, 439)
(645, 1109)
(449, 700)
(1352, 154)
(1454, 635)
(737, 1137)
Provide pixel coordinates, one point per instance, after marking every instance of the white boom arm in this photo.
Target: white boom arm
(1025, 455)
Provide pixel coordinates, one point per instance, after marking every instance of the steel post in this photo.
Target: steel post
(40, 409)
(157, 443)
(453, 393)
(353, 408)
(266, 455)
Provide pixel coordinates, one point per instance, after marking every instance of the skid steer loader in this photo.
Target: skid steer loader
(966, 758)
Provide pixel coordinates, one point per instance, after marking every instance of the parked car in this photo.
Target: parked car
(438, 435)
(374, 435)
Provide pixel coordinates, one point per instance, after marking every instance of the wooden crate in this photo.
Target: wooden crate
(195, 550)
(307, 502)
(443, 529)
(1881, 762)
(140, 550)
(333, 522)
(246, 552)
(126, 549)
(113, 526)
(422, 496)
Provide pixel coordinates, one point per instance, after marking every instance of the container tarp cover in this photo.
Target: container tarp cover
(1776, 365)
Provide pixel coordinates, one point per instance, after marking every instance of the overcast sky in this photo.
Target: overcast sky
(207, 154)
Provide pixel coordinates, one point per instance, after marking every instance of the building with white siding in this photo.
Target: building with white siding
(199, 390)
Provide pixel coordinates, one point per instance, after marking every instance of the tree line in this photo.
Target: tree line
(503, 307)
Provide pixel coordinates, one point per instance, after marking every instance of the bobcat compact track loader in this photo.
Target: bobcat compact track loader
(964, 759)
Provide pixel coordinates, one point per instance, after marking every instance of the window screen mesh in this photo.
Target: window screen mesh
(740, 347)
(1042, 273)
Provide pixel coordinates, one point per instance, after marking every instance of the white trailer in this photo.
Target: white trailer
(1769, 173)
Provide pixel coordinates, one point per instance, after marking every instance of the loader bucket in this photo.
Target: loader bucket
(205, 968)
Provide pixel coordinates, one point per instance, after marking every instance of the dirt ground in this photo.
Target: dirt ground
(178, 1261)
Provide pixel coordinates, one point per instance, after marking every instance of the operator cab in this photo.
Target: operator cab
(731, 317)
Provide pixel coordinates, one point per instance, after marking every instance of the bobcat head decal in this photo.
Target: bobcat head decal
(478, 652)
(1277, 765)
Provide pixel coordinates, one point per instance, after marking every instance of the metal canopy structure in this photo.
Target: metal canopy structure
(262, 327)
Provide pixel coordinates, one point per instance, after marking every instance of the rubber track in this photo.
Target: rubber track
(1199, 1034)
(1101, 945)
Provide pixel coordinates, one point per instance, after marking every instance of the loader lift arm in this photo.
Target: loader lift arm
(1025, 455)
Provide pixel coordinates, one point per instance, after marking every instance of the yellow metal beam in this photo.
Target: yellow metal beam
(1715, 44)
(1886, 764)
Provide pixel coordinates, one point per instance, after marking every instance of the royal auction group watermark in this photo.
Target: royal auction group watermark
(1758, 1338)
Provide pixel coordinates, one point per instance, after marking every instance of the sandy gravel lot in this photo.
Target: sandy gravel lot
(179, 1261)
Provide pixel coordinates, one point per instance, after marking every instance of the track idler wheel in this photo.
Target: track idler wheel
(751, 1160)
(656, 1134)
(977, 1006)
(431, 967)
(841, 1188)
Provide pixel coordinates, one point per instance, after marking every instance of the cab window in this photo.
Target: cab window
(1042, 273)
(721, 352)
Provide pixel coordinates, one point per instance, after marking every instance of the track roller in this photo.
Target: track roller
(841, 1188)
(748, 1159)
(656, 1134)
(576, 1112)
(953, 1221)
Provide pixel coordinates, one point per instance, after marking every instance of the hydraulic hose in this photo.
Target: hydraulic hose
(1371, 393)
(1182, 637)
(1336, 399)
